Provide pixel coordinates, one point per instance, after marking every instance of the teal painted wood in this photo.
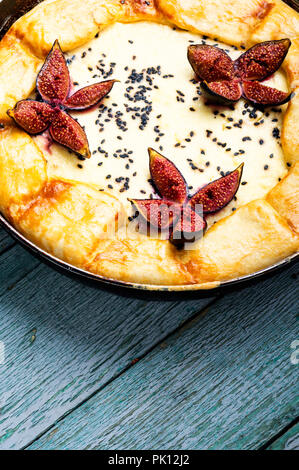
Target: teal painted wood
(15, 263)
(289, 441)
(225, 381)
(5, 240)
(64, 341)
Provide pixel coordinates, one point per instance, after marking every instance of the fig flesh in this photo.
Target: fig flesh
(210, 63)
(189, 228)
(262, 60)
(264, 95)
(68, 132)
(167, 179)
(53, 84)
(183, 217)
(225, 81)
(53, 80)
(89, 95)
(33, 116)
(216, 195)
(225, 91)
(158, 213)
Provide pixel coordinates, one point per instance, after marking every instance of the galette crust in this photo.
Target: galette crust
(74, 221)
(284, 197)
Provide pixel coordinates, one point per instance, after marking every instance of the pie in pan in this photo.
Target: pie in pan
(110, 79)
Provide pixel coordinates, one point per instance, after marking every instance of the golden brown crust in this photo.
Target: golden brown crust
(291, 64)
(285, 198)
(15, 61)
(140, 259)
(69, 219)
(281, 21)
(225, 252)
(231, 21)
(72, 221)
(22, 169)
(290, 130)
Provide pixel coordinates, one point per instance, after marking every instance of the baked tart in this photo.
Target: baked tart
(154, 142)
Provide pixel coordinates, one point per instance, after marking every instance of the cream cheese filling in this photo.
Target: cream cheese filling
(157, 104)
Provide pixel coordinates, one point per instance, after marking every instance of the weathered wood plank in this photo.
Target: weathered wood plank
(64, 341)
(15, 264)
(223, 382)
(289, 441)
(5, 240)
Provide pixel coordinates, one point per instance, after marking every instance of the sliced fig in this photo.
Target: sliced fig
(158, 212)
(216, 195)
(68, 132)
(264, 95)
(53, 80)
(33, 116)
(225, 91)
(167, 178)
(189, 228)
(262, 60)
(210, 63)
(89, 95)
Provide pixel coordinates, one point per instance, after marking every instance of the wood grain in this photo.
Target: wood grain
(15, 264)
(64, 341)
(224, 381)
(289, 440)
(5, 241)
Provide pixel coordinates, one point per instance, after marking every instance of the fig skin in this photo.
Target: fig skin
(166, 177)
(53, 85)
(189, 228)
(53, 81)
(216, 195)
(262, 60)
(182, 218)
(264, 95)
(231, 91)
(89, 95)
(33, 116)
(159, 213)
(224, 81)
(203, 59)
(68, 132)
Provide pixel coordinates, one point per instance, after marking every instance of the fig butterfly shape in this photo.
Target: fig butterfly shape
(181, 215)
(54, 84)
(225, 81)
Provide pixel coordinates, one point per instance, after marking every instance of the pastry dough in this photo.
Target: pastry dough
(75, 221)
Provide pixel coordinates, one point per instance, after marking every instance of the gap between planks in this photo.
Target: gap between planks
(223, 382)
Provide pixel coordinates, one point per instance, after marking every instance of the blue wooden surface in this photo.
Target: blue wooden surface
(90, 368)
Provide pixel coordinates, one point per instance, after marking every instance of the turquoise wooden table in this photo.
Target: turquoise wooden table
(90, 368)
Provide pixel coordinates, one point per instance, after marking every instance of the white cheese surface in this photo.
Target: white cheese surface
(202, 140)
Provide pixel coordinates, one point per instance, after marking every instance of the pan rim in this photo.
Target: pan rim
(81, 273)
